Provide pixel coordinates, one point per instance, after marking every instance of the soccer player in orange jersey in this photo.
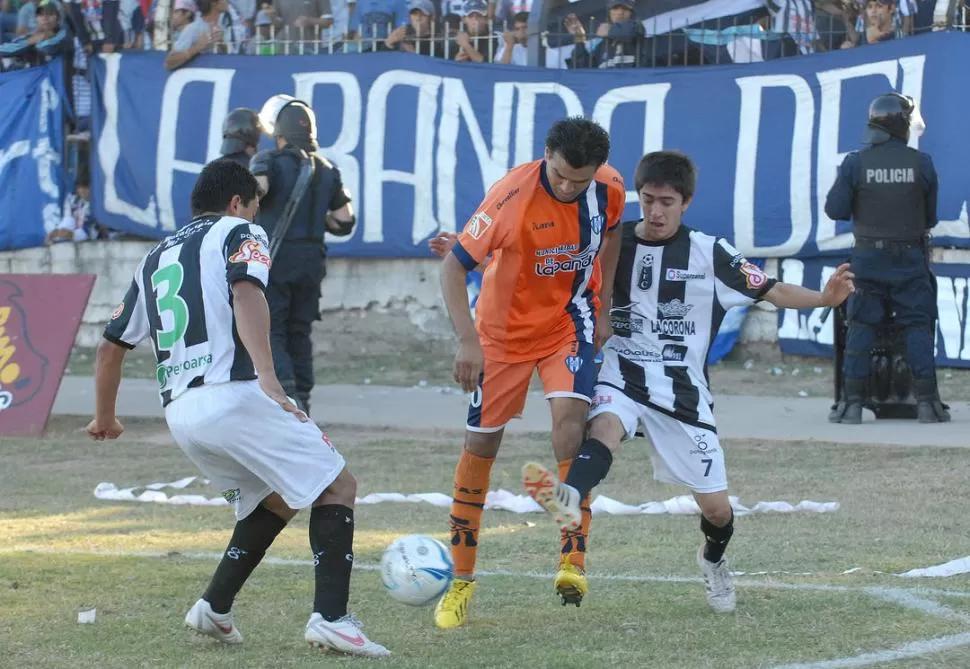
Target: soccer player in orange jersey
(550, 231)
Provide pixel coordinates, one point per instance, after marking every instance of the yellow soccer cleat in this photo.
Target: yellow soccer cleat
(571, 583)
(452, 609)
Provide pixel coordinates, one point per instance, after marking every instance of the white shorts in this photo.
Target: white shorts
(681, 454)
(248, 447)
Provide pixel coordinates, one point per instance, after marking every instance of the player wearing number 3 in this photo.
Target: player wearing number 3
(199, 297)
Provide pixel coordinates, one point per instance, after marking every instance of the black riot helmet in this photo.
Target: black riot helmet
(893, 115)
(240, 129)
(293, 120)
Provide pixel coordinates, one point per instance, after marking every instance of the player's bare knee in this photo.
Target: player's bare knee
(275, 505)
(483, 444)
(608, 430)
(718, 513)
(342, 491)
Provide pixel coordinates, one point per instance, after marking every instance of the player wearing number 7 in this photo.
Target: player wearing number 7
(673, 286)
(198, 296)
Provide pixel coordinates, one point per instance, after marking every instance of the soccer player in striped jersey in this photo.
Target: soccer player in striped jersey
(673, 286)
(198, 297)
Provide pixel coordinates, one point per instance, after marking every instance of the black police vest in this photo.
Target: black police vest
(889, 196)
(310, 220)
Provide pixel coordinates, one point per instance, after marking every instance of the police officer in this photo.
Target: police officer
(889, 192)
(302, 198)
(240, 135)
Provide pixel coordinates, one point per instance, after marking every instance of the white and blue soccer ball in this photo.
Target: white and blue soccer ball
(416, 569)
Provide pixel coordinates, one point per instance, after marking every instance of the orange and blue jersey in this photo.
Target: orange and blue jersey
(541, 288)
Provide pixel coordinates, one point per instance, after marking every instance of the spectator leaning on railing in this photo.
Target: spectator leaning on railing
(51, 37)
(515, 43)
(619, 43)
(199, 35)
(476, 43)
(423, 35)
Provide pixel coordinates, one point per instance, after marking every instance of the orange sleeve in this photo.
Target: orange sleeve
(493, 225)
(616, 200)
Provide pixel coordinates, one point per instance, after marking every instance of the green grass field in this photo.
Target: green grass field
(141, 565)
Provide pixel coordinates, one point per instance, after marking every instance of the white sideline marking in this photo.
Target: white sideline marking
(630, 578)
(914, 649)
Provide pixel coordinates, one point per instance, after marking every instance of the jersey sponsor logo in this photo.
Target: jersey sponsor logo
(673, 326)
(546, 225)
(232, 496)
(645, 275)
(327, 442)
(753, 276)
(251, 251)
(165, 372)
(637, 354)
(574, 363)
(508, 198)
(674, 274)
(118, 311)
(553, 263)
(674, 353)
(22, 368)
(478, 224)
(601, 399)
(625, 325)
(674, 309)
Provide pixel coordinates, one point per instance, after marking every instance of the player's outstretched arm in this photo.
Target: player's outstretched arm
(107, 378)
(836, 291)
(252, 322)
(469, 360)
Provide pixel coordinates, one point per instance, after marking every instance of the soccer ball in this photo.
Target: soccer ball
(416, 569)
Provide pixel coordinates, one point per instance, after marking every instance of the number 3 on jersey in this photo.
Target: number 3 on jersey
(166, 282)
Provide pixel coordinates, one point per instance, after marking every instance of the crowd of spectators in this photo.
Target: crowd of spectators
(578, 34)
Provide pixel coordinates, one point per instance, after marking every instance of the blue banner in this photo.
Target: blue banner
(419, 140)
(804, 333)
(31, 140)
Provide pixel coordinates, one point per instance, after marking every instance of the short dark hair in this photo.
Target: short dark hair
(218, 182)
(580, 141)
(521, 17)
(667, 168)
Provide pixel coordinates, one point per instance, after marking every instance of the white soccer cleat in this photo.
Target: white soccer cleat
(560, 500)
(718, 581)
(219, 626)
(343, 635)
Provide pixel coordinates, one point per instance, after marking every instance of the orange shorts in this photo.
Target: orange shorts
(503, 386)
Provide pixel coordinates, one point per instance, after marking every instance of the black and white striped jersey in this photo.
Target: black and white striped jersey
(181, 298)
(669, 299)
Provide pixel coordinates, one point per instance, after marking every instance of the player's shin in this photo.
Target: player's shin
(716, 537)
(471, 487)
(252, 536)
(332, 543)
(573, 543)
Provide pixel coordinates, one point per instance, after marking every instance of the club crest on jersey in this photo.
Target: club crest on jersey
(478, 224)
(596, 224)
(573, 363)
(754, 277)
(645, 275)
(251, 251)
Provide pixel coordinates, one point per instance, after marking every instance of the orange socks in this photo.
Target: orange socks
(575, 542)
(471, 486)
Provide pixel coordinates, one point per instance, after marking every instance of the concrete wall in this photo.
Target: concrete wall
(406, 288)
